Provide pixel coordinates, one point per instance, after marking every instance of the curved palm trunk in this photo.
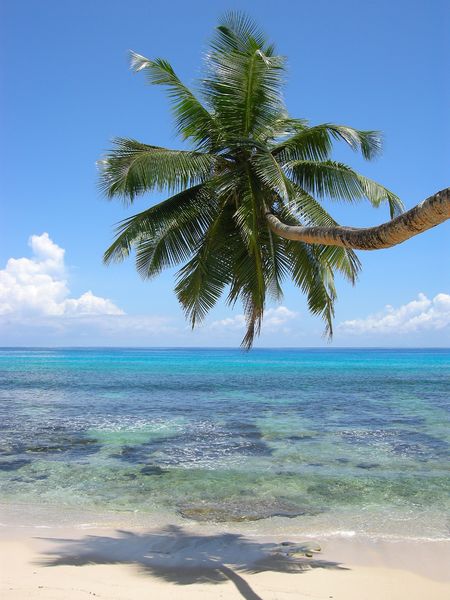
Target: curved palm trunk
(427, 214)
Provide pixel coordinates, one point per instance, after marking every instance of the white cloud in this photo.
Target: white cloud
(419, 315)
(36, 307)
(88, 304)
(230, 323)
(274, 319)
(37, 286)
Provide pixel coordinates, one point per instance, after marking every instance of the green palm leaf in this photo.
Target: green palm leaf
(132, 168)
(243, 79)
(188, 213)
(315, 278)
(316, 143)
(336, 180)
(193, 120)
(203, 278)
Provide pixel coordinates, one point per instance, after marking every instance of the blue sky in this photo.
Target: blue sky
(67, 90)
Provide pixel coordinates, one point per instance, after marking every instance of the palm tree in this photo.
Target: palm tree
(245, 209)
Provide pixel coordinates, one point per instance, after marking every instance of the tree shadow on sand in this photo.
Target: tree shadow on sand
(184, 558)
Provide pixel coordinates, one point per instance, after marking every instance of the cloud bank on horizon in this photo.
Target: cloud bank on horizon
(36, 308)
(418, 315)
(274, 318)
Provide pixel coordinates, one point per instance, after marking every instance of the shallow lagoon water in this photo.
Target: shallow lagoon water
(322, 441)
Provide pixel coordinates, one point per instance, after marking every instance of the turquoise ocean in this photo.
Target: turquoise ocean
(320, 441)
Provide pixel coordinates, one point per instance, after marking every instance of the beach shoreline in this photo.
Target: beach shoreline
(209, 561)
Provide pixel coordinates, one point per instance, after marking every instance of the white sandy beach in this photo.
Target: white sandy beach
(184, 563)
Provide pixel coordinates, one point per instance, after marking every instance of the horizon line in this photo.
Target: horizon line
(224, 348)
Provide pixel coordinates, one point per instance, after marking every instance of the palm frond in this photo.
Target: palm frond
(377, 194)
(276, 266)
(175, 243)
(193, 120)
(315, 143)
(341, 259)
(145, 224)
(335, 180)
(165, 234)
(237, 32)
(243, 82)
(368, 142)
(132, 168)
(315, 278)
(201, 281)
(245, 286)
(254, 313)
(249, 275)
